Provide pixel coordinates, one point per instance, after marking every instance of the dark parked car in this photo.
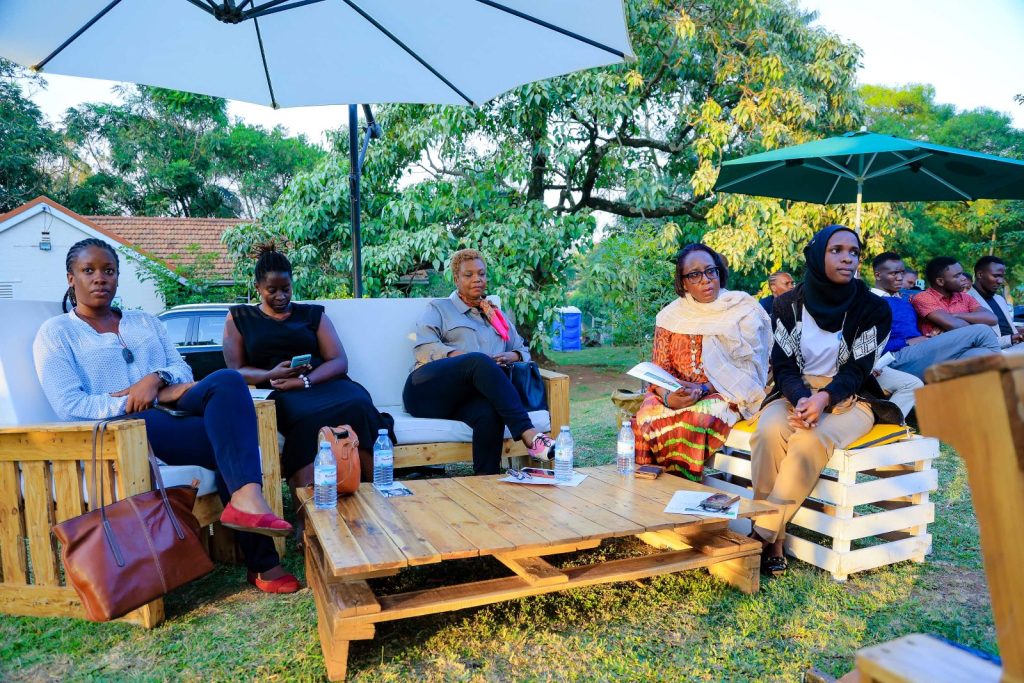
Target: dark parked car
(197, 330)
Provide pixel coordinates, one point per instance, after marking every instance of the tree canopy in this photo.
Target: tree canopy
(27, 144)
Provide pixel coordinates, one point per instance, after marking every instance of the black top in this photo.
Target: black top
(865, 331)
(268, 341)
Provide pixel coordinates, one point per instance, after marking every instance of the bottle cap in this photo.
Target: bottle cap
(382, 431)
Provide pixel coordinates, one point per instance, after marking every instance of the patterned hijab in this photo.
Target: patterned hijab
(491, 313)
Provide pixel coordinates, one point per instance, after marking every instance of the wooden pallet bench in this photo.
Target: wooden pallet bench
(868, 493)
(369, 536)
(45, 475)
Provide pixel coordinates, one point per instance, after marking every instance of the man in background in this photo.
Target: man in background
(944, 306)
(779, 283)
(910, 288)
(907, 349)
(989, 279)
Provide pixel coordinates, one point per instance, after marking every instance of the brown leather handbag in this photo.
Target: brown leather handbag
(345, 446)
(128, 553)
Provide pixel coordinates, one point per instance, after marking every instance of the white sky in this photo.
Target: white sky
(972, 52)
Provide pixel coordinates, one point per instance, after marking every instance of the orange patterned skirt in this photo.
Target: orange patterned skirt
(682, 440)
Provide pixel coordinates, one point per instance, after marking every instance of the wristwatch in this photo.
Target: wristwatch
(165, 377)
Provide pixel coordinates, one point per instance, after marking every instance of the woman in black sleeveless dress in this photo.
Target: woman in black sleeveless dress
(260, 341)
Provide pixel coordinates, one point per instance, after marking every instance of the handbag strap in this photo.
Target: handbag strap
(98, 432)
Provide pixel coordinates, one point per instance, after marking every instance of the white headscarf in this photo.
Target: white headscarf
(737, 340)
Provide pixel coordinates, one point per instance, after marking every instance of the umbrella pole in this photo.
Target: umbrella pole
(353, 202)
(860, 199)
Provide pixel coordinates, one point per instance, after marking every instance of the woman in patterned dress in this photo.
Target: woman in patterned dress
(715, 342)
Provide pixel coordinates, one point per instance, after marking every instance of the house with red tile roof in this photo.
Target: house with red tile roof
(35, 238)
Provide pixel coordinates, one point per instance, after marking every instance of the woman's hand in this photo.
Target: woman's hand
(172, 392)
(685, 396)
(287, 384)
(808, 411)
(506, 357)
(141, 394)
(284, 370)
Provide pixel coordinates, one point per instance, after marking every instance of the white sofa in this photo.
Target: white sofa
(378, 336)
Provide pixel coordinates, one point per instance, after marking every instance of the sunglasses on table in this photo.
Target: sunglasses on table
(695, 276)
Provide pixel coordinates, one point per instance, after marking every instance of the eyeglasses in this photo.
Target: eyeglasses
(711, 273)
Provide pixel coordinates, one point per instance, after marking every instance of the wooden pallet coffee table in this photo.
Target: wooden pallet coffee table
(449, 519)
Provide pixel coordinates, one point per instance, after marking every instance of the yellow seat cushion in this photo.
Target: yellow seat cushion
(880, 434)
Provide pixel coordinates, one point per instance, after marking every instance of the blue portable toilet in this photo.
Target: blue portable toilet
(567, 330)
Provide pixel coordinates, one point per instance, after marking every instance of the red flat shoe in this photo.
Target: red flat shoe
(267, 523)
(282, 584)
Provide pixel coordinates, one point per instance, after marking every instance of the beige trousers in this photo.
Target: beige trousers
(786, 462)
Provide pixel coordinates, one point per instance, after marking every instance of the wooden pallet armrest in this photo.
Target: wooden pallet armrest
(556, 385)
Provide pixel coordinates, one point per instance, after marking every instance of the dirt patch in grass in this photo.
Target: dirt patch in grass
(588, 381)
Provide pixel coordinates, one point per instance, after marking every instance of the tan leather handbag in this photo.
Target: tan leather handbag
(345, 446)
(125, 554)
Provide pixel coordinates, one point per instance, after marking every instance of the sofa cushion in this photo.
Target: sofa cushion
(22, 401)
(182, 475)
(413, 430)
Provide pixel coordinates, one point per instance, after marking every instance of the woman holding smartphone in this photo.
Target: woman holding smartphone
(262, 341)
(97, 361)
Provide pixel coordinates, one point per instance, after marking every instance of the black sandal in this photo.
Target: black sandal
(773, 565)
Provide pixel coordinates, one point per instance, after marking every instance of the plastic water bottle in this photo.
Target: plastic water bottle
(383, 459)
(563, 457)
(625, 449)
(325, 479)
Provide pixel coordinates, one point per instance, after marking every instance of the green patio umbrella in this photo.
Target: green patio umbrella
(869, 167)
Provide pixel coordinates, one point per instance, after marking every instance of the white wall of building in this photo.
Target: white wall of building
(29, 273)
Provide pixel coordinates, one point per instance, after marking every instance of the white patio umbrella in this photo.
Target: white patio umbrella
(316, 52)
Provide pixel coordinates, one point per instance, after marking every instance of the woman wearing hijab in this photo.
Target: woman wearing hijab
(715, 342)
(462, 344)
(829, 331)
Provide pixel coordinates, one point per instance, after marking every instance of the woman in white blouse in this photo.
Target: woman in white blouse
(97, 362)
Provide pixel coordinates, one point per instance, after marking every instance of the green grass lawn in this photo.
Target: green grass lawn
(680, 627)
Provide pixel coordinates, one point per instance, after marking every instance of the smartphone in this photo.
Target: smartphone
(304, 359)
(172, 411)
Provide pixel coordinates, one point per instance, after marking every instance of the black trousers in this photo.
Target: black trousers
(471, 388)
(220, 435)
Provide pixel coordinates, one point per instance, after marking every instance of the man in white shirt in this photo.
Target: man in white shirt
(989, 278)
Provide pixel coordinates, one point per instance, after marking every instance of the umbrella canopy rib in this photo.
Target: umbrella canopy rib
(548, 25)
(272, 8)
(75, 35)
(412, 53)
(266, 69)
(767, 169)
(941, 181)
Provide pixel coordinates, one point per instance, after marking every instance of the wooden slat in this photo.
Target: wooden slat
(347, 598)
(973, 366)
(38, 520)
(12, 527)
(919, 658)
(342, 553)
(554, 549)
(417, 454)
(743, 573)
(62, 601)
(505, 524)
(433, 527)
(546, 518)
(556, 385)
(434, 600)
(616, 524)
(375, 543)
(458, 519)
(533, 570)
(664, 487)
(59, 442)
(410, 541)
(67, 480)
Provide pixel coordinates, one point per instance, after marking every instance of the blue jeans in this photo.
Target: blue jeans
(219, 435)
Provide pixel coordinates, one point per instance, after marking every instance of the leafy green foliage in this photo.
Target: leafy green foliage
(27, 144)
(625, 280)
(957, 229)
(188, 278)
(165, 152)
(520, 176)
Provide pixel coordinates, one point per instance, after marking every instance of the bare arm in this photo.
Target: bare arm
(331, 350)
(234, 357)
(951, 321)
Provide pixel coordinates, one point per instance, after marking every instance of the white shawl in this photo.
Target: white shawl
(737, 340)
